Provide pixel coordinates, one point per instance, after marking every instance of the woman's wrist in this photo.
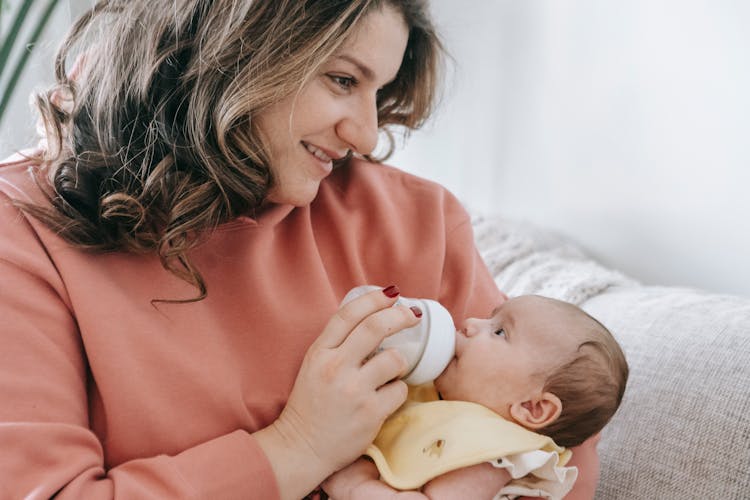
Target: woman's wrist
(298, 469)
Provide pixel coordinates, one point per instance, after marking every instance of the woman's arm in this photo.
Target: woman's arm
(481, 482)
(359, 481)
(586, 458)
(49, 397)
(467, 288)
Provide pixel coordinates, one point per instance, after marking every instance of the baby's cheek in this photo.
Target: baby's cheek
(442, 383)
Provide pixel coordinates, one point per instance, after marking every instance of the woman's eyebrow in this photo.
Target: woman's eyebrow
(368, 73)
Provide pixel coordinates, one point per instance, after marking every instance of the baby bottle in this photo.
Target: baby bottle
(428, 346)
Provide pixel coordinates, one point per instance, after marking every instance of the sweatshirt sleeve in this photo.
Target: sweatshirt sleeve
(47, 447)
(467, 288)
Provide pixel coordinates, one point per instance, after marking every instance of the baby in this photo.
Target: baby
(552, 377)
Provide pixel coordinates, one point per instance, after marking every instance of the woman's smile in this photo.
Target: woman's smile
(323, 157)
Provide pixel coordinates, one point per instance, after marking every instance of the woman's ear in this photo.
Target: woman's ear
(538, 412)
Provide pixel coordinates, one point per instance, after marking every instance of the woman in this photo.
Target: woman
(173, 259)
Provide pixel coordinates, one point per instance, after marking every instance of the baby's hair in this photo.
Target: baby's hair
(590, 385)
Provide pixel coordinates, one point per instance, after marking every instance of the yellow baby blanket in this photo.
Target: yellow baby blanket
(423, 440)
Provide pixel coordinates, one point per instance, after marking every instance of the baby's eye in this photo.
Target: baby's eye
(500, 332)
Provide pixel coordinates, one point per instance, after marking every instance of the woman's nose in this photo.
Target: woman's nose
(359, 129)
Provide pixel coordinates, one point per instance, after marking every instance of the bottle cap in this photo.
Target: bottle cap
(440, 346)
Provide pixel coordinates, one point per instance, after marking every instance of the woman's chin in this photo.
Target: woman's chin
(298, 197)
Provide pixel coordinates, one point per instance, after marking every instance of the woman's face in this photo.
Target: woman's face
(335, 112)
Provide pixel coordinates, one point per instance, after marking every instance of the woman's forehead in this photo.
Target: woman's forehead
(377, 44)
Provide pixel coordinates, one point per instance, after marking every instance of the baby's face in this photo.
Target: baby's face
(506, 358)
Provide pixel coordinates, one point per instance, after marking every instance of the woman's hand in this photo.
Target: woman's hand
(360, 481)
(341, 485)
(341, 396)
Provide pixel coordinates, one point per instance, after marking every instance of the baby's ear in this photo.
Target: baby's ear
(538, 412)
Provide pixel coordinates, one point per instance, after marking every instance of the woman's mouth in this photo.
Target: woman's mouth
(317, 152)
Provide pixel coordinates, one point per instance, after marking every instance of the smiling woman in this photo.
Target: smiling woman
(193, 149)
(174, 256)
(336, 112)
(185, 106)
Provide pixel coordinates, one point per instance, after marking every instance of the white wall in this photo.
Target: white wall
(622, 124)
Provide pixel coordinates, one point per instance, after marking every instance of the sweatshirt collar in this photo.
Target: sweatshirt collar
(266, 216)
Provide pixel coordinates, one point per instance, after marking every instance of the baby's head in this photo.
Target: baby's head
(543, 363)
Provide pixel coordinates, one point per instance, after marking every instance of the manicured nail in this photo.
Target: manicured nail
(391, 291)
(417, 311)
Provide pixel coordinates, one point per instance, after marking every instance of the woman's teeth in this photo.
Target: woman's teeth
(320, 155)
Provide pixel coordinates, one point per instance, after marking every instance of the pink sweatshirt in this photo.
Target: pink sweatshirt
(103, 395)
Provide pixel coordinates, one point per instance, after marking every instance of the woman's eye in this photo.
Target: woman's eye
(500, 332)
(345, 82)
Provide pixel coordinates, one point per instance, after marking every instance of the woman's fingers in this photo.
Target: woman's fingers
(372, 330)
(391, 396)
(349, 316)
(334, 411)
(341, 397)
(383, 367)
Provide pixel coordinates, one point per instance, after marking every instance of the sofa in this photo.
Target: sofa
(683, 430)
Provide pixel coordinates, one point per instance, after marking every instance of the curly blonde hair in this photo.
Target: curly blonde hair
(154, 144)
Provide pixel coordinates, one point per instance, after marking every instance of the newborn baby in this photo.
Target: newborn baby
(539, 375)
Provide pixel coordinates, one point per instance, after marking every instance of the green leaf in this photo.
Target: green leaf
(10, 38)
(23, 59)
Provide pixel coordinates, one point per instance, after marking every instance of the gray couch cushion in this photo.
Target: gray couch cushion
(683, 430)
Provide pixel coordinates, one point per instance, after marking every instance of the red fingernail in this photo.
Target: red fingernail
(391, 291)
(417, 311)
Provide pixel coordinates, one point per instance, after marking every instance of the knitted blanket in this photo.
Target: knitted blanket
(525, 259)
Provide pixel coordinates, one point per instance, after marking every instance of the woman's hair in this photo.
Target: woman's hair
(590, 385)
(154, 144)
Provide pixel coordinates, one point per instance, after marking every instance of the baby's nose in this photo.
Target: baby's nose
(470, 328)
(460, 340)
